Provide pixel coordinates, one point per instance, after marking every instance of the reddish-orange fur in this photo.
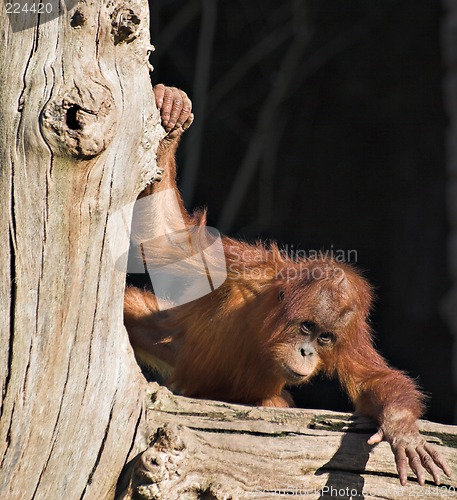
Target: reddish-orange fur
(231, 344)
(224, 345)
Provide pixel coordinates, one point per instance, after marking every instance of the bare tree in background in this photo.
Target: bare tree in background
(287, 32)
(78, 135)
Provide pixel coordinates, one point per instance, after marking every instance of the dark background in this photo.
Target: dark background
(321, 124)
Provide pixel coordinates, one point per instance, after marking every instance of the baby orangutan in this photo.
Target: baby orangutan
(274, 322)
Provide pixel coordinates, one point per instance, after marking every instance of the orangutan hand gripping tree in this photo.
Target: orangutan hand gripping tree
(275, 321)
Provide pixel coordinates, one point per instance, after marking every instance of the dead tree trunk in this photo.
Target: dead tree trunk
(219, 451)
(78, 133)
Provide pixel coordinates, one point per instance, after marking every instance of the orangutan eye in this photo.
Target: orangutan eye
(326, 338)
(308, 327)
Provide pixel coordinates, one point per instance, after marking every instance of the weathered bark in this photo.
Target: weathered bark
(78, 129)
(78, 134)
(204, 449)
